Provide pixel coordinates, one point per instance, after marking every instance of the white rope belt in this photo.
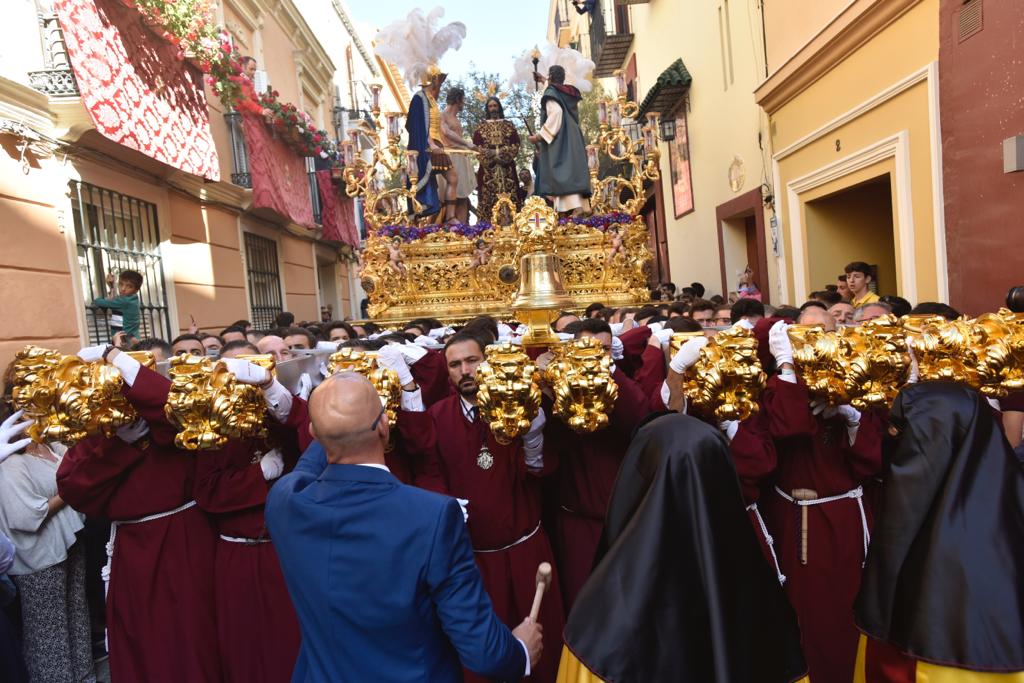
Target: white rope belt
(105, 572)
(768, 540)
(244, 541)
(857, 494)
(514, 543)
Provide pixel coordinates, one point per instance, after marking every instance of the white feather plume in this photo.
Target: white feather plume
(578, 69)
(416, 43)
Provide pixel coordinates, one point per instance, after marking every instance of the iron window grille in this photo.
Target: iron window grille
(115, 232)
(264, 276)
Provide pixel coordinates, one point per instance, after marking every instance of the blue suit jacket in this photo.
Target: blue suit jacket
(383, 580)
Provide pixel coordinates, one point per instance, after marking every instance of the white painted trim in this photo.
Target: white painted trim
(316, 278)
(922, 74)
(938, 195)
(895, 147)
(245, 268)
(783, 287)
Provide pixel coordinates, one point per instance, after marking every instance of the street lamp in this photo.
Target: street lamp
(668, 129)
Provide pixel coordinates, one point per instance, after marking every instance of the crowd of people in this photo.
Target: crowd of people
(272, 558)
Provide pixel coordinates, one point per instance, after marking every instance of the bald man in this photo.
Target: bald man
(825, 455)
(382, 574)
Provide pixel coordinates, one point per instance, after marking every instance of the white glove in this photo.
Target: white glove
(915, 372)
(666, 394)
(618, 350)
(133, 431)
(305, 386)
(656, 327)
(616, 329)
(533, 442)
(464, 504)
(663, 336)
(412, 352)
(327, 346)
(10, 429)
(91, 354)
(127, 366)
(779, 344)
(850, 414)
(994, 403)
(438, 333)
(391, 357)
(272, 464)
(245, 371)
(504, 331)
(564, 336)
(687, 354)
(729, 428)
(745, 324)
(425, 341)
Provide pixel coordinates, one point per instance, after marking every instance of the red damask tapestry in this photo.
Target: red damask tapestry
(336, 212)
(279, 180)
(138, 91)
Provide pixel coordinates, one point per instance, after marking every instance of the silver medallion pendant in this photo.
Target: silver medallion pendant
(484, 460)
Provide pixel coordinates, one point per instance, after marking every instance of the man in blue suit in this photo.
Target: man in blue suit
(381, 574)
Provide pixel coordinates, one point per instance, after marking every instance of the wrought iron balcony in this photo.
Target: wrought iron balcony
(610, 37)
(57, 79)
(240, 174)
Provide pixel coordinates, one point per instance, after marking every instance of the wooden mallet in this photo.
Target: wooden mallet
(543, 583)
(804, 494)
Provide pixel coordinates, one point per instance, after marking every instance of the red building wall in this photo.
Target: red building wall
(981, 96)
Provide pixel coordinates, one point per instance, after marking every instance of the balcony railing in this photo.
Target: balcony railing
(314, 191)
(240, 174)
(610, 37)
(57, 79)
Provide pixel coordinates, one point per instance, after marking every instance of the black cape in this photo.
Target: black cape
(944, 580)
(680, 590)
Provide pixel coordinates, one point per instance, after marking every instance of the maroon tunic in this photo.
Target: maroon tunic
(588, 466)
(431, 374)
(504, 507)
(634, 343)
(160, 604)
(651, 375)
(816, 454)
(258, 631)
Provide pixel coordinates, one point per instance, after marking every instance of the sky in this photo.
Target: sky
(497, 31)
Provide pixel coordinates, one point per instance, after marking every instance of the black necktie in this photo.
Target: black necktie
(474, 413)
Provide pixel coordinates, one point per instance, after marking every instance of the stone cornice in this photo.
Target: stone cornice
(848, 31)
(21, 103)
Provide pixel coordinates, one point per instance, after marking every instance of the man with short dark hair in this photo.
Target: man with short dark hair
(339, 331)
(563, 319)
(232, 333)
(722, 315)
(936, 308)
(747, 309)
(188, 343)
(703, 312)
(284, 320)
(211, 343)
(858, 278)
(499, 485)
(299, 338)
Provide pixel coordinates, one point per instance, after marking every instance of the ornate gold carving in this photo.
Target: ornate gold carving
(68, 398)
(384, 380)
(999, 347)
(210, 406)
(942, 348)
(580, 376)
(509, 397)
(875, 362)
(727, 379)
(818, 356)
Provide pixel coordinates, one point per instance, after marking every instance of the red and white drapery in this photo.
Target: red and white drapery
(136, 89)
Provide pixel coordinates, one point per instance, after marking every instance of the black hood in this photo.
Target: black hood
(945, 573)
(680, 590)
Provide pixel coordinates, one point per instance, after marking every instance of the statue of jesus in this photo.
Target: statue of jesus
(498, 143)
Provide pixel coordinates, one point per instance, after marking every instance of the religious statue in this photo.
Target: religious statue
(616, 247)
(481, 257)
(561, 163)
(462, 164)
(498, 142)
(396, 260)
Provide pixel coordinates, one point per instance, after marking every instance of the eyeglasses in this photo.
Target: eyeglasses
(380, 416)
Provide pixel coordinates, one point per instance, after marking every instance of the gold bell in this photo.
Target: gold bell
(540, 297)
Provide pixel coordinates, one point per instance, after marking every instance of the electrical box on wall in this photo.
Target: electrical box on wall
(1013, 154)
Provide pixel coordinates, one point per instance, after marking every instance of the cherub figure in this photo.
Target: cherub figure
(617, 245)
(481, 257)
(396, 260)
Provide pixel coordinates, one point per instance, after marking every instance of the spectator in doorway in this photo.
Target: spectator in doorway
(842, 287)
(858, 279)
(668, 291)
(698, 289)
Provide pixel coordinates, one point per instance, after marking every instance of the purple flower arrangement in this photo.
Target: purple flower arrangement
(411, 233)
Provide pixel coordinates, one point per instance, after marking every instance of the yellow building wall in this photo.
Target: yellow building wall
(905, 47)
(723, 121)
(299, 277)
(791, 24)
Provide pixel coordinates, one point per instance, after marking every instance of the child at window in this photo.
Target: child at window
(125, 304)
